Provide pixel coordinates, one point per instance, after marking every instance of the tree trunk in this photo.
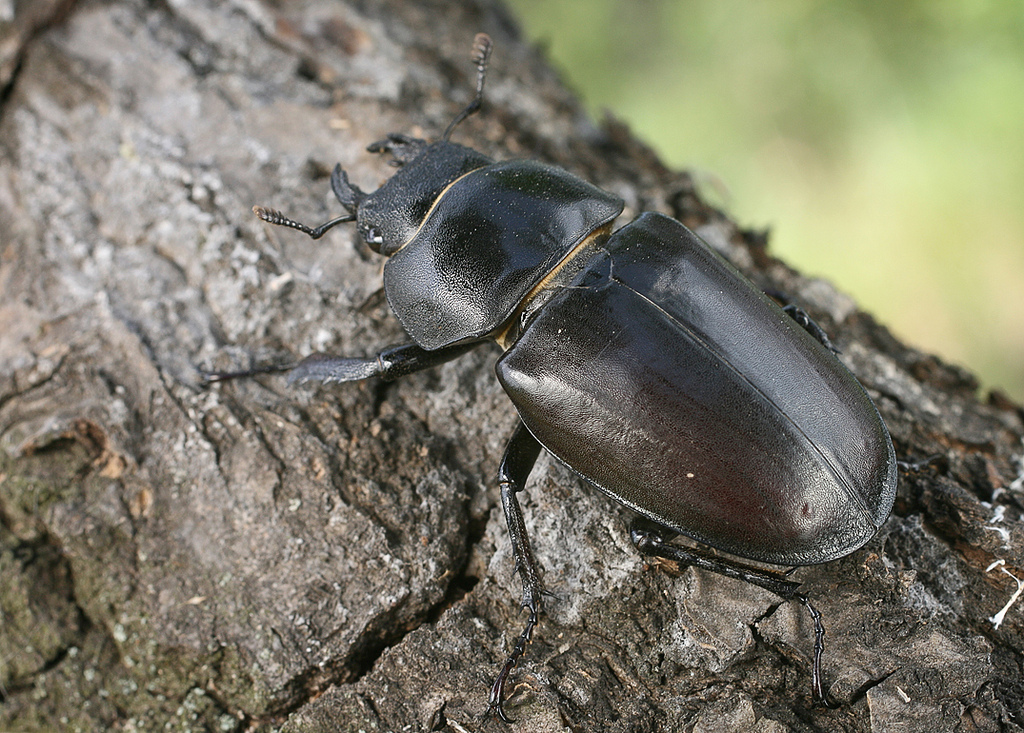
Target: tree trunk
(254, 555)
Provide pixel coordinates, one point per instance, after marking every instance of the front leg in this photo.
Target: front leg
(520, 455)
(404, 148)
(389, 364)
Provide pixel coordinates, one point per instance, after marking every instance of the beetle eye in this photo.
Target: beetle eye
(372, 237)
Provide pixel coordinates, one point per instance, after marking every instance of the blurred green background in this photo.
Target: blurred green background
(882, 142)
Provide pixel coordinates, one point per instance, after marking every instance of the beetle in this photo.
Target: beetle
(639, 358)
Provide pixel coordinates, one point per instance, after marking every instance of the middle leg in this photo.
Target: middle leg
(520, 455)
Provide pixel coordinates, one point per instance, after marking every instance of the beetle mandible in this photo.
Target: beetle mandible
(639, 358)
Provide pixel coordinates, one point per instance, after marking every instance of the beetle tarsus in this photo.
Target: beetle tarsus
(495, 702)
(817, 688)
(209, 378)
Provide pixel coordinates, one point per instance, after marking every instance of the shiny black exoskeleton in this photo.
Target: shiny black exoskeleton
(639, 358)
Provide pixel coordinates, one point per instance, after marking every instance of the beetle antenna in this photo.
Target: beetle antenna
(273, 216)
(348, 194)
(482, 45)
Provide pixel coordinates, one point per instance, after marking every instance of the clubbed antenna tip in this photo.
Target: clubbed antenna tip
(482, 46)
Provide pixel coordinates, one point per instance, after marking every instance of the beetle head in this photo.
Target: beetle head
(388, 217)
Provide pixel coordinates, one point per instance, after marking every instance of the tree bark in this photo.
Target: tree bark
(256, 556)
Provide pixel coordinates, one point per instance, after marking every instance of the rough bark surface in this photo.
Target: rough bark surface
(254, 556)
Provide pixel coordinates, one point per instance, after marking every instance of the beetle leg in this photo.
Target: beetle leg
(916, 466)
(520, 455)
(652, 540)
(390, 364)
(805, 322)
(404, 148)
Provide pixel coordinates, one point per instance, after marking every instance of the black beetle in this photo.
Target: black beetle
(639, 358)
